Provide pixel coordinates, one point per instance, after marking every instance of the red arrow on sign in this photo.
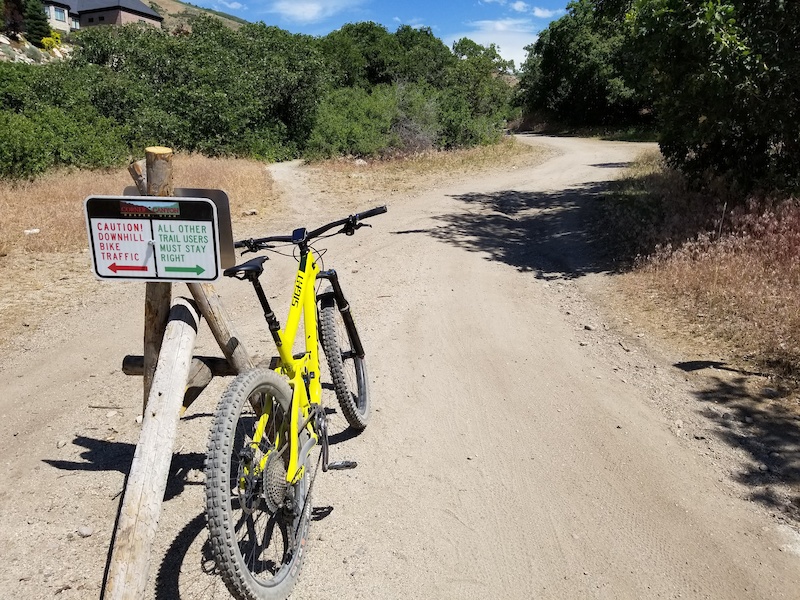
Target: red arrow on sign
(115, 267)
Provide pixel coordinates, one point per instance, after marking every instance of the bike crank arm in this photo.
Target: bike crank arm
(321, 423)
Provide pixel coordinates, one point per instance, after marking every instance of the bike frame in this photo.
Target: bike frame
(302, 370)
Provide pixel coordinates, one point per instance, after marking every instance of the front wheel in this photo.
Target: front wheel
(258, 524)
(348, 371)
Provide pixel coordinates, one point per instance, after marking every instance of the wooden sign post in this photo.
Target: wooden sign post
(172, 378)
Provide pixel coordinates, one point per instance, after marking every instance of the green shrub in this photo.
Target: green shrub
(355, 122)
(25, 151)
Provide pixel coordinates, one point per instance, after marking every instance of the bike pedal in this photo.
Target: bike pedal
(341, 465)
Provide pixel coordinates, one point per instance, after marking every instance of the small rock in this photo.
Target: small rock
(583, 344)
(139, 419)
(678, 423)
(111, 413)
(770, 393)
(85, 531)
(749, 420)
(60, 444)
(726, 416)
(775, 455)
(31, 231)
(251, 212)
(589, 327)
(195, 476)
(763, 468)
(359, 162)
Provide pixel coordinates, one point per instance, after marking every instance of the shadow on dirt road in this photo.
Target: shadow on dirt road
(104, 455)
(545, 233)
(767, 432)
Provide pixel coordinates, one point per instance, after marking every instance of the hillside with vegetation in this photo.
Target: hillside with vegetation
(179, 16)
(254, 92)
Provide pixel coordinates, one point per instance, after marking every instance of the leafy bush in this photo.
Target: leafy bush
(353, 121)
(52, 41)
(24, 151)
(727, 78)
(256, 92)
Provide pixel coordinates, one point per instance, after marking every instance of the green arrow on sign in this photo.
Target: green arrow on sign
(197, 270)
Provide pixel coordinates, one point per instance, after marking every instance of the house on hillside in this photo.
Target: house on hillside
(69, 15)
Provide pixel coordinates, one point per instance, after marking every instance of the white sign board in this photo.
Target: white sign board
(148, 239)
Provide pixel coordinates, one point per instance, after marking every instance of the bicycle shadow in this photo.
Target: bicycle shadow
(765, 430)
(105, 455)
(544, 233)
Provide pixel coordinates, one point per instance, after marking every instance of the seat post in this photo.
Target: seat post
(272, 321)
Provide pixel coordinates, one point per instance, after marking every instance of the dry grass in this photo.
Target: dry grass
(730, 275)
(53, 204)
(400, 175)
(50, 270)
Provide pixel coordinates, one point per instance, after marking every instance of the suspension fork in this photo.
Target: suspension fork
(344, 309)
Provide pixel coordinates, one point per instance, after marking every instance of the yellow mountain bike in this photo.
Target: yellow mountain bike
(259, 467)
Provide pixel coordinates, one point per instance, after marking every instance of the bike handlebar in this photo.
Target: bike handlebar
(348, 224)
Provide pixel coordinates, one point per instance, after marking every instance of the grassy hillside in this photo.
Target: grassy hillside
(178, 14)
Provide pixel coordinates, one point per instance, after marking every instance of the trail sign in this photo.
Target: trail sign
(153, 239)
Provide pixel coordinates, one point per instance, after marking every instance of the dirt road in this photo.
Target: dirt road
(518, 448)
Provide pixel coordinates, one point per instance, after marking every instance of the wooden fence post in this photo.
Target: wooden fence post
(144, 493)
(158, 179)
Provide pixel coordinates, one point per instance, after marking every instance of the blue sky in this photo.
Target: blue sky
(510, 24)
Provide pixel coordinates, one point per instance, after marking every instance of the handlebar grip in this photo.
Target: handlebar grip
(378, 210)
(239, 244)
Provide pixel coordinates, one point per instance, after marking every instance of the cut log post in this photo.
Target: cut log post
(133, 364)
(138, 172)
(202, 371)
(141, 507)
(158, 160)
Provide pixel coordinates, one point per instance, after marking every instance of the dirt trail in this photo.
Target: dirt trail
(518, 449)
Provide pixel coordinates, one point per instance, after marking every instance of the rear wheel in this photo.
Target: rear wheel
(258, 524)
(348, 371)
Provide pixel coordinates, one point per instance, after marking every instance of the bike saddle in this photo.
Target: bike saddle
(252, 268)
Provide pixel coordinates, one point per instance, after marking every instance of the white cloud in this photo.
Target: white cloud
(311, 11)
(509, 35)
(414, 23)
(544, 13)
(232, 5)
(520, 7)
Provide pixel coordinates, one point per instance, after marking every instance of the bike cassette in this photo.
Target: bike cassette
(275, 485)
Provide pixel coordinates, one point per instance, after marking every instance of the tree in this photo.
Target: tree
(12, 16)
(364, 54)
(727, 78)
(36, 25)
(425, 58)
(579, 68)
